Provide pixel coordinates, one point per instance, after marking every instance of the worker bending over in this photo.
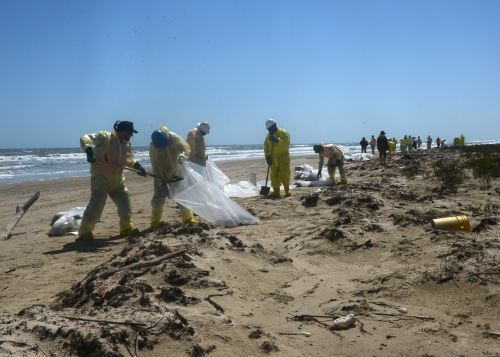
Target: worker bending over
(166, 150)
(335, 159)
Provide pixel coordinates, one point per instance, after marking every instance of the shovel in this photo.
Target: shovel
(264, 190)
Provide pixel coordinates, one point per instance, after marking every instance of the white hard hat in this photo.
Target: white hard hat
(270, 123)
(204, 127)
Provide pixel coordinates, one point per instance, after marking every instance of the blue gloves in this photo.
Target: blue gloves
(90, 154)
(142, 171)
(274, 139)
(269, 160)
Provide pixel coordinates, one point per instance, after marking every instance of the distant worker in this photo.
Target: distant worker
(461, 140)
(373, 143)
(382, 147)
(335, 160)
(429, 142)
(196, 141)
(419, 142)
(166, 150)
(438, 142)
(364, 144)
(409, 142)
(402, 144)
(111, 152)
(392, 146)
(276, 152)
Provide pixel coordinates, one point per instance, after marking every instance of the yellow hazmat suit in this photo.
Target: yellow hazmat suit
(164, 162)
(107, 178)
(402, 144)
(392, 146)
(280, 166)
(198, 147)
(335, 159)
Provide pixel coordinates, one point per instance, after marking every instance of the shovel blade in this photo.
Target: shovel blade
(264, 190)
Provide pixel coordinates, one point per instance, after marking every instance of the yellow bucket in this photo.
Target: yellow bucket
(456, 223)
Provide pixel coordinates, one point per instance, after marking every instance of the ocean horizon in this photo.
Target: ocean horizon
(35, 164)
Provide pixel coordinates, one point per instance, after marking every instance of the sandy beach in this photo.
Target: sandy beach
(365, 248)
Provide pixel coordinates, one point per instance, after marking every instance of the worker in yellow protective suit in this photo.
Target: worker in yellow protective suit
(335, 159)
(276, 151)
(196, 141)
(402, 144)
(166, 150)
(392, 146)
(461, 140)
(108, 152)
(429, 142)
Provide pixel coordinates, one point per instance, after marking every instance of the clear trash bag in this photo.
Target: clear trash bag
(215, 175)
(64, 223)
(206, 199)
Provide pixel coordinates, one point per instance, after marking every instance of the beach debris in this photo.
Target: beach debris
(302, 333)
(268, 347)
(310, 201)
(214, 304)
(142, 264)
(456, 223)
(367, 243)
(494, 333)
(343, 323)
(66, 222)
(20, 211)
(256, 334)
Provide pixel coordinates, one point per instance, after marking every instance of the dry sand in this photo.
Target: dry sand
(366, 248)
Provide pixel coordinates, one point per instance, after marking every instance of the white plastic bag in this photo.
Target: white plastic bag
(215, 175)
(241, 189)
(66, 222)
(207, 200)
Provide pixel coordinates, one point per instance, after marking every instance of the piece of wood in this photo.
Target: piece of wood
(126, 323)
(20, 211)
(144, 264)
(404, 316)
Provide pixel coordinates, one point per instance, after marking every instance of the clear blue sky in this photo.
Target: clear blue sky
(329, 71)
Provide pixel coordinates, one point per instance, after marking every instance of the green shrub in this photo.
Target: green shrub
(486, 169)
(411, 170)
(450, 172)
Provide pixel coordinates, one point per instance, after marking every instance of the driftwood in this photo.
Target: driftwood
(20, 211)
(126, 323)
(404, 316)
(214, 304)
(144, 264)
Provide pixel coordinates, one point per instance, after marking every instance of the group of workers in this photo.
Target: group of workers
(406, 143)
(110, 152)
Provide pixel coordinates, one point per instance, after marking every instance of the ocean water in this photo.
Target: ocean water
(21, 165)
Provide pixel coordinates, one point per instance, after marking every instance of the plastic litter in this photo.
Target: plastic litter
(64, 223)
(454, 223)
(343, 323)
(206, 199)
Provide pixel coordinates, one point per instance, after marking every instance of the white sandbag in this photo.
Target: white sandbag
(241, 189)
(66, 222)
(205, 199)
